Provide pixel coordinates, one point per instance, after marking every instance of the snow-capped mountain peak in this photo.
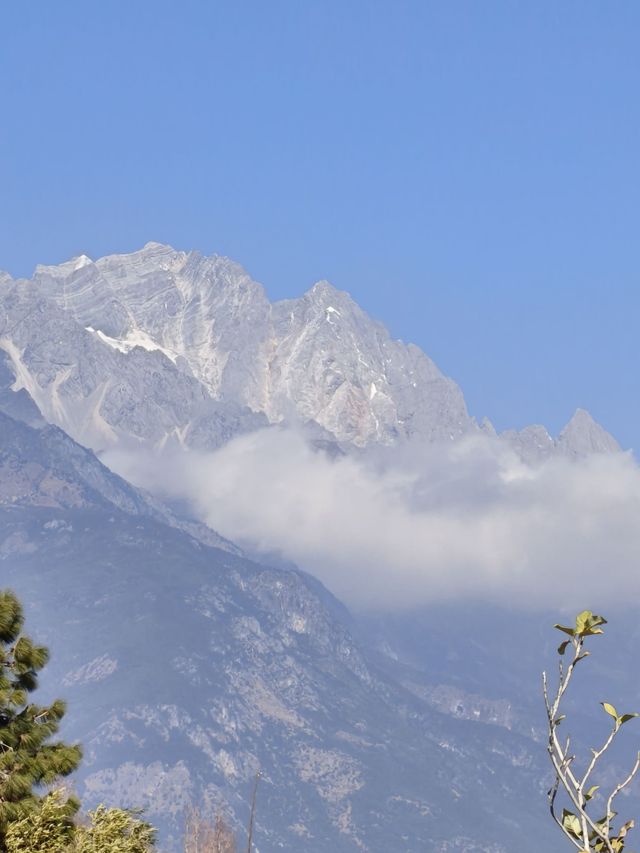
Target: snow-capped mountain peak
(102, 344)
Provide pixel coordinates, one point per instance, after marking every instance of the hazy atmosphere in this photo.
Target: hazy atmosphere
(472, 523)
(319, 426)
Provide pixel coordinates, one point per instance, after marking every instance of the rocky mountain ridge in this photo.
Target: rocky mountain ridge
(160, 346)
(187, 667)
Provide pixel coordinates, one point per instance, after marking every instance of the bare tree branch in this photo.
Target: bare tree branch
(584, 833)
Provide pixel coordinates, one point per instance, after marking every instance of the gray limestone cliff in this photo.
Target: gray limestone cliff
(162, 347)
(146, 345)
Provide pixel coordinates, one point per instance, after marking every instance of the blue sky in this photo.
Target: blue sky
(468, 171)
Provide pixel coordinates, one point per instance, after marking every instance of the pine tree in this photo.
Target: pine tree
(28, 760)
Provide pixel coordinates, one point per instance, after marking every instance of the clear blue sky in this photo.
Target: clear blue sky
(469, 171)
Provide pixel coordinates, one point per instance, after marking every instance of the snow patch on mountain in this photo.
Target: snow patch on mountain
(136, 338)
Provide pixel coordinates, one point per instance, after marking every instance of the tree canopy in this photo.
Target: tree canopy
(29, 758)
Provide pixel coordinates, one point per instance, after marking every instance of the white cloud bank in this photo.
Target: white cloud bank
(469, 520)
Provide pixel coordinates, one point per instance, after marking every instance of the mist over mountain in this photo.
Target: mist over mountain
(177, 369)
(187, 668)
(297, 432)
(464, 521)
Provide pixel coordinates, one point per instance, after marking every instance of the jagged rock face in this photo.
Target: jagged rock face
(343, 370)
(160, 346)
(167, 318)
(99, 394)
(203, 312)
(581, 437)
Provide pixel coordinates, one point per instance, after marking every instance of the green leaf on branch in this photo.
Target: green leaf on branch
(587, 624)
(620, 719)
(618, 841)
(569, 631)
(589, 794)
(570, 822)
(563, 646)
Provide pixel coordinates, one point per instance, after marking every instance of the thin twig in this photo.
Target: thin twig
(619, 788)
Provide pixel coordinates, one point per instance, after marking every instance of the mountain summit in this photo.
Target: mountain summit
(162, 346)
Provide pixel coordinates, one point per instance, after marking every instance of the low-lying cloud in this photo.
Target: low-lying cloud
(468, 520)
